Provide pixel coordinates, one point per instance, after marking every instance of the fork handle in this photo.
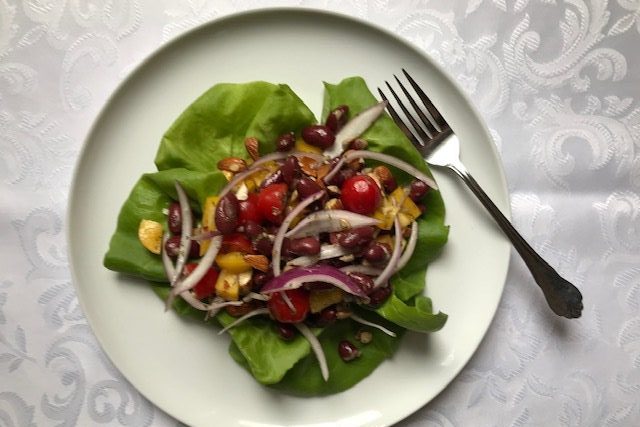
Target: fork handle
(563, 297)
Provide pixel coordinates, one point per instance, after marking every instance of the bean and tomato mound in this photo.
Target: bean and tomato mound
(297, 235)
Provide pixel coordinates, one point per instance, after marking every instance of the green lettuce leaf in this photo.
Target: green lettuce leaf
(215, 125)
(418, 317)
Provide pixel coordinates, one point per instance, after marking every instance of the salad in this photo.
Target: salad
(306, 241)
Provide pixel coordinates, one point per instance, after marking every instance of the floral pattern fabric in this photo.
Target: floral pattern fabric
(557, 81)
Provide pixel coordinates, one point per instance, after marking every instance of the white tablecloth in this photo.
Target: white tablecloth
(557, 81)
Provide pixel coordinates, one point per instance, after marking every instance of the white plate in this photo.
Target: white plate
(185, 369)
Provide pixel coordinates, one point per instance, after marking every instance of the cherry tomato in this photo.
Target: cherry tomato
(360, 194)
(281, 311)
(249, 210)
(236, 242)
(206, 287)
(272, 201)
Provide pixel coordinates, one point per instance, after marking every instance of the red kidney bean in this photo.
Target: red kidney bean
(260, 278)
(226, 217)
(418, 190)
(348, 351)
(172, 246)
(337, 118)
(273, 178)
(305, 246)
(326, 317)
(286, 331)
(355, 237)
(339, 178)
(263, 245)
(307, 187)
(286, 142)
(379, 296)
(194, 250)
(252, 229)
(319, 136)
(290, 170)
(363, 281)
(174, 218)
(242, 309)
(377, 253)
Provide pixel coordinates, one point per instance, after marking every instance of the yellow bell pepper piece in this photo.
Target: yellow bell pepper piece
(306, 148)
(233, 262)
(208, 223)
(228, 286)
(397, 203)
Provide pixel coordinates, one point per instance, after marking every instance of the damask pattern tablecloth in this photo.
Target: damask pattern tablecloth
(558, 83)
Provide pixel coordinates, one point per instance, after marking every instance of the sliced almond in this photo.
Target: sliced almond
(308, 166)
(232, 164)
(322, 171)
(252, 146)
(259, 262)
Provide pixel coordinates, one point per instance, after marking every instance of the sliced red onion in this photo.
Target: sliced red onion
(185, 238)
(411, 246)
(198, 273)
(329, 221)
(326, 252)
(364, 269)
(170, 271)
(205, 235)
(385, 158)
(359, 124)
(296, 277)
(373, 325)
(253, 295)
(238, 178)
(395, 256)
(316, 347)
(335, 170)
(256, 312)
(276, 252)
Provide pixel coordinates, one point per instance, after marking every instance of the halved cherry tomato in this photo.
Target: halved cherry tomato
(281, 311)
(360, 194)
(206, 287)
(272, 201)
(249, 210)
(236, 242)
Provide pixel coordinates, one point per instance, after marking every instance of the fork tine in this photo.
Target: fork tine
(427, 103)
(430, 128)
(421, 133)
(401, 124)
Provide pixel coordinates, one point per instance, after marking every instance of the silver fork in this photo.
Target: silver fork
(439, 146)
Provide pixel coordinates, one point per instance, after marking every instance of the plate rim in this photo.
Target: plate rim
(239, 15)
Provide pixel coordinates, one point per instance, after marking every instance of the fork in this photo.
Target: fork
(440, 146)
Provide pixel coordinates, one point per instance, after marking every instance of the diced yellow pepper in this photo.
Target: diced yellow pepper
(227, 286)
(306, 148)
(150, 235)
(208, 223)
(387, 239)
(322, 298)
(397, 203)
(233, 262)
(408, 207)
